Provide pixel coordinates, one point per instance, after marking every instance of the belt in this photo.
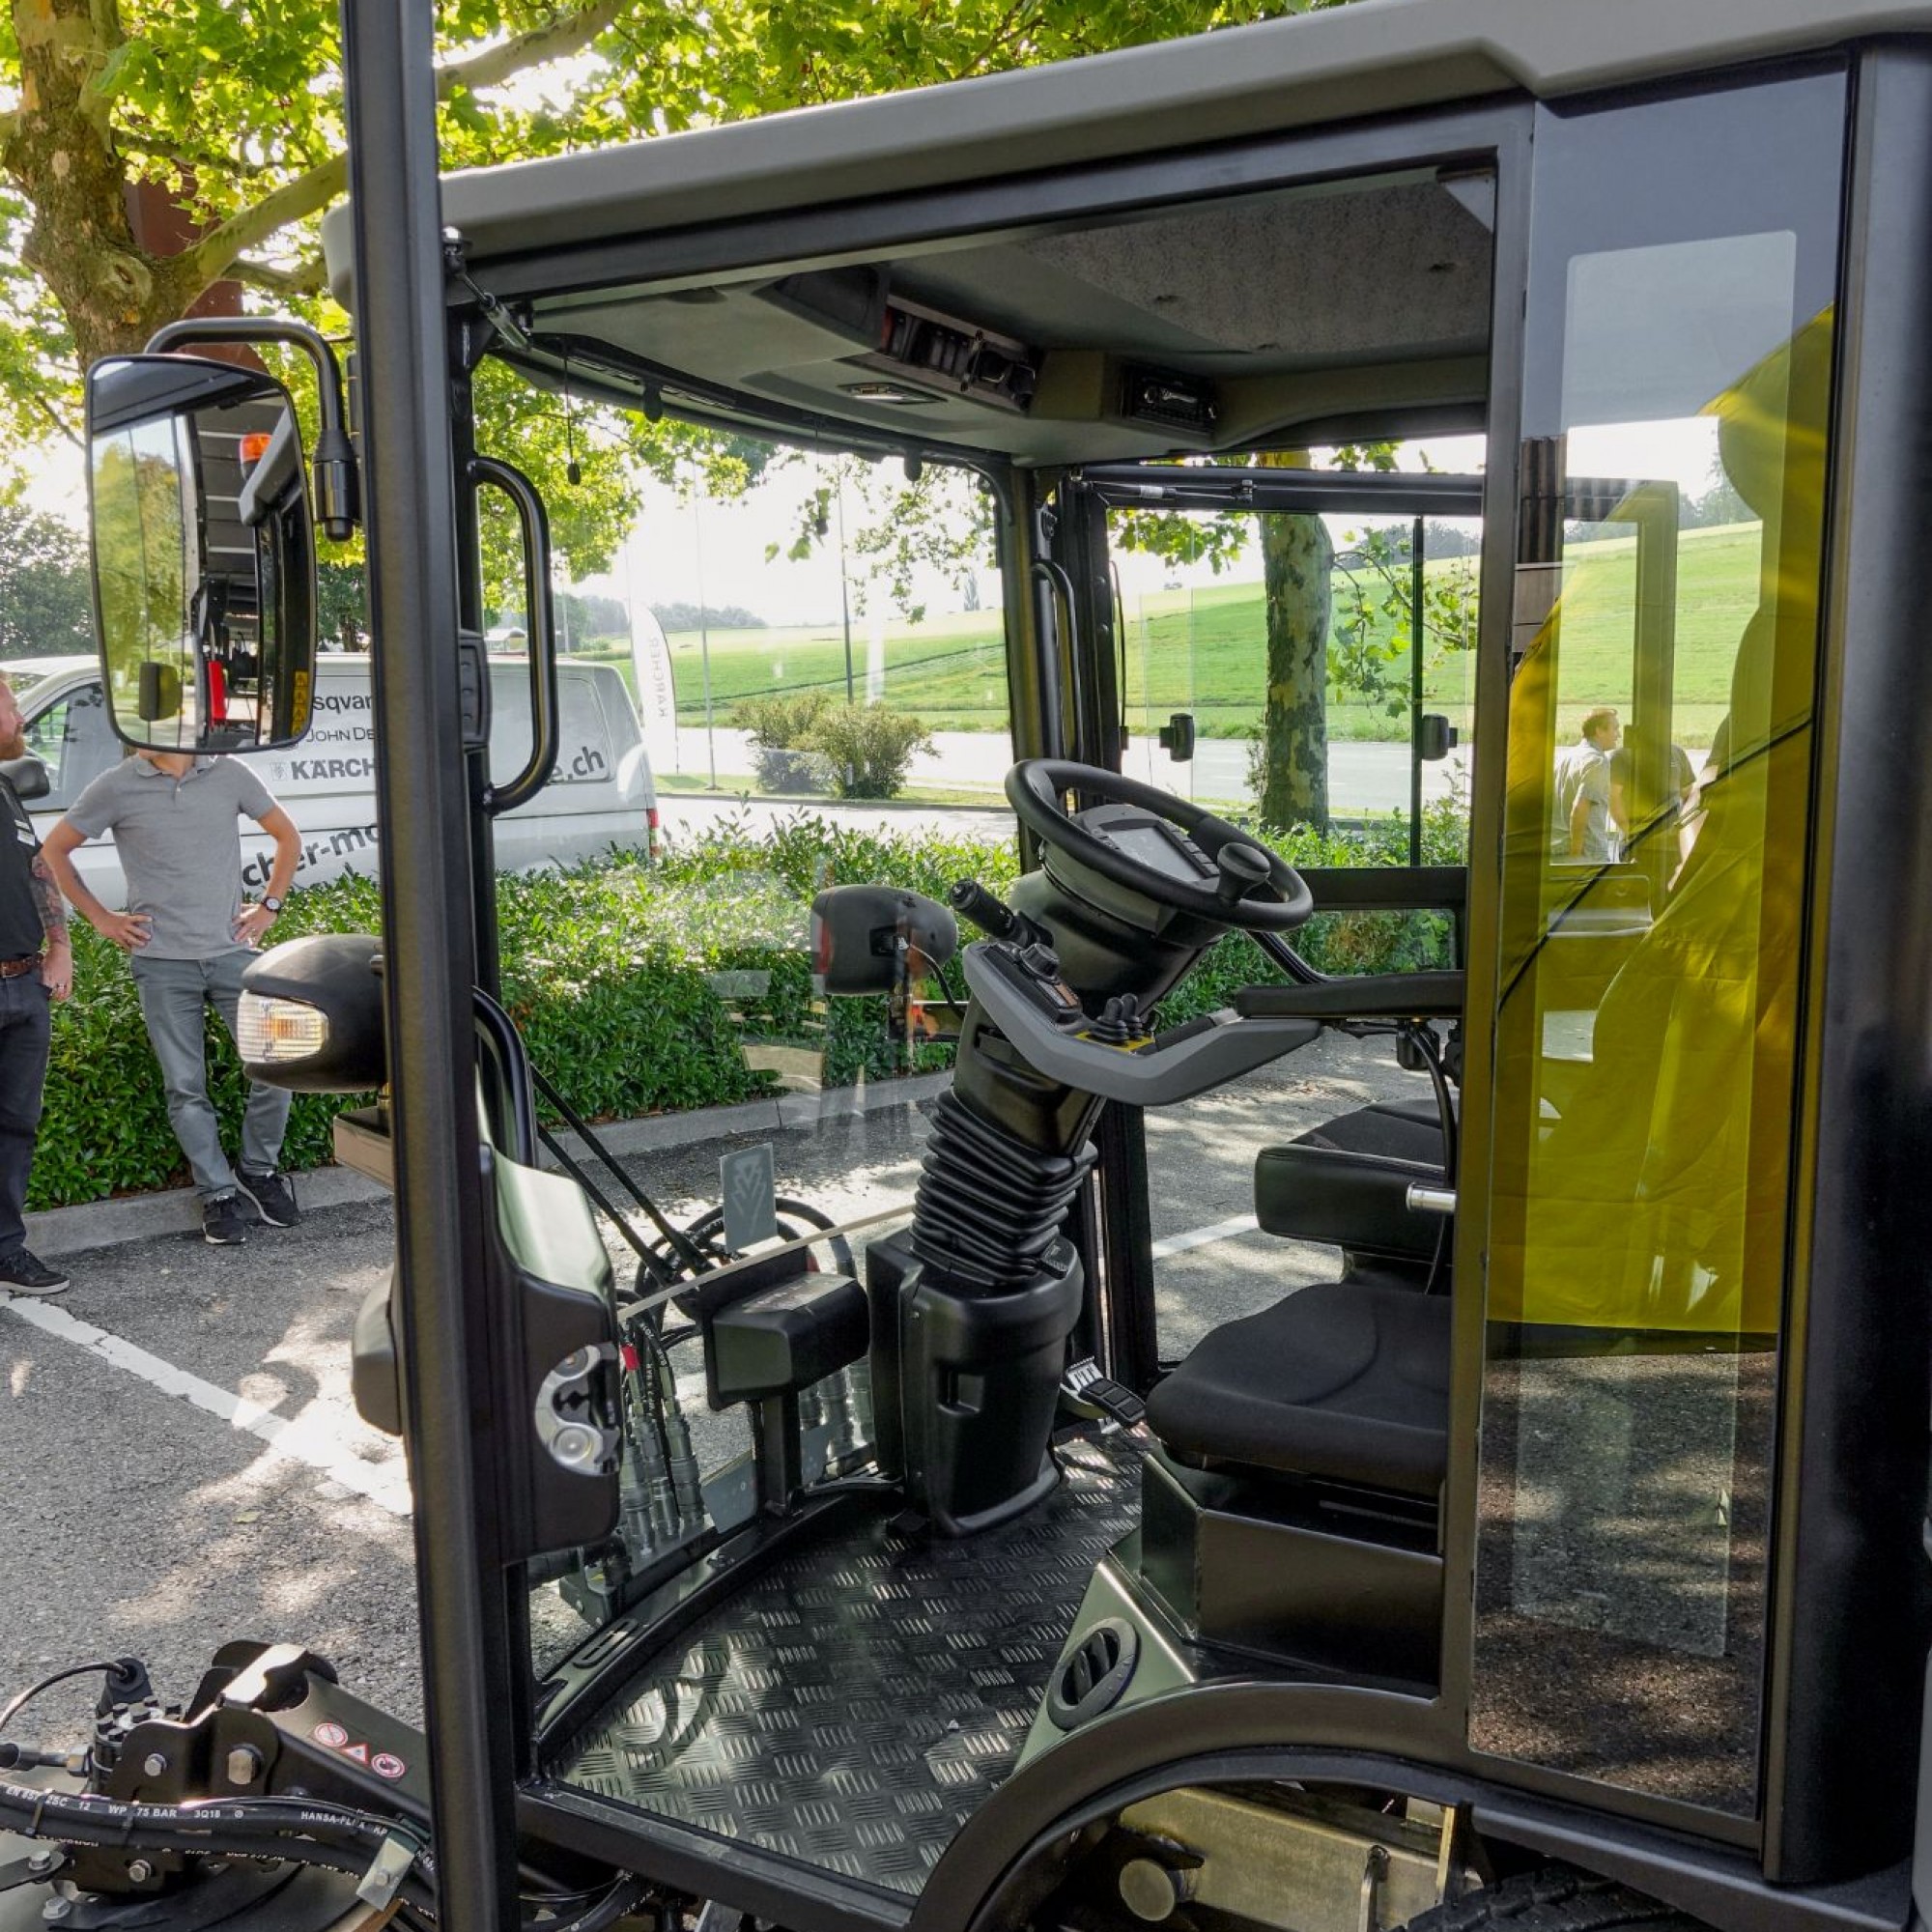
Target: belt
(12, 969)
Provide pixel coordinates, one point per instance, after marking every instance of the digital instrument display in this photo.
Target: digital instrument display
(1157, 849)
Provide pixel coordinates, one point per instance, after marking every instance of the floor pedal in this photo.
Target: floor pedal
(1091, 1393)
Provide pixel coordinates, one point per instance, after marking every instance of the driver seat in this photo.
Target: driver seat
(1345, 1382)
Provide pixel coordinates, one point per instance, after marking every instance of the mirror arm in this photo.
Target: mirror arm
(337, 493)
(535, 523)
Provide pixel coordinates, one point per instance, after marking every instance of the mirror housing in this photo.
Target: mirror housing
(27, 776)
(856, 935)
(1434, 736)
(204, 554)
(311, 1015)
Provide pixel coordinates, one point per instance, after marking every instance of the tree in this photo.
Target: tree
(221, 119)
(1297, 568)
(45, 605)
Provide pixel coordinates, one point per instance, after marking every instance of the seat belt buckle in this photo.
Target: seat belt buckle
(1090, 1393)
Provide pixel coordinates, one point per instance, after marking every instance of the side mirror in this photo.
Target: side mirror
(1177, 737)
(27, 776)
(860, 933)
(1435, 737)
(204, 554)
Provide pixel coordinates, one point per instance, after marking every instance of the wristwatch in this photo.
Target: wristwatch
(271, 904)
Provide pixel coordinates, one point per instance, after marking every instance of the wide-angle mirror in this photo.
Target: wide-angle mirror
(204, 557)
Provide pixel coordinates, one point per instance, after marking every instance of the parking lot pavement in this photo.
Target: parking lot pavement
(186, 1466)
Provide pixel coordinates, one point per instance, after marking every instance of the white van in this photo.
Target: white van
(600, 793)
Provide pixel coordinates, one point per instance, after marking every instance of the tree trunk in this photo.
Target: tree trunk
(61, 151)
(1297, 561)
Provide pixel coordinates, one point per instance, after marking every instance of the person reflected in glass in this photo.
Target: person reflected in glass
(1582, 830)
(1634, 815)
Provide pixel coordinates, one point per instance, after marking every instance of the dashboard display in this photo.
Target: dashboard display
(1157, 849)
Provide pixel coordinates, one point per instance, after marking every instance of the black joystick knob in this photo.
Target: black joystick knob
(1041, 961)
(1242, 868)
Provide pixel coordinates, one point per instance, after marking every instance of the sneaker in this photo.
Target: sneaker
(22, 1273)
(274, 1198)
(221, 1222)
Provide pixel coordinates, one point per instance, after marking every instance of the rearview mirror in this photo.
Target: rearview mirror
(204, 554)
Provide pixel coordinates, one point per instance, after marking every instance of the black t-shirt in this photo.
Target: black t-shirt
(20, 930)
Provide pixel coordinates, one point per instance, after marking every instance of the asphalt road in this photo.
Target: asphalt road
(186, 1467)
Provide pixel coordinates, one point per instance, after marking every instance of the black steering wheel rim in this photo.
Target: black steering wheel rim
(1035, 787)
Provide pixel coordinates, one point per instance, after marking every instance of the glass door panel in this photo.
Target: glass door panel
(1655, 833)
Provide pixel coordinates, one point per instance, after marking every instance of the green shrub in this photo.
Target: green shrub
(779, 726)
(869, 747)
(640, 990)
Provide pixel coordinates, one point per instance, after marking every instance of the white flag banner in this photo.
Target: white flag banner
(656, 695)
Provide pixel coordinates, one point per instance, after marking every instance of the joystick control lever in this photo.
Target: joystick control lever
(1244, 867)
(996, 919)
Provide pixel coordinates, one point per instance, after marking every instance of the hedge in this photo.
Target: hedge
(638, 989)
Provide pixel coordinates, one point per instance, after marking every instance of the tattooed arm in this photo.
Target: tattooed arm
(57, 968)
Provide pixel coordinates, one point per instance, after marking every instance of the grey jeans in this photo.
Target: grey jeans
(173, 995)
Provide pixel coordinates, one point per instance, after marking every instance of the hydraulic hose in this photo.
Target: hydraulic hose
(298, 1829)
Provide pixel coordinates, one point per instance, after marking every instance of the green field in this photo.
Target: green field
(1203, 651)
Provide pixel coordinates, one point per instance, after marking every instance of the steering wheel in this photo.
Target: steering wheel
(1240, 884)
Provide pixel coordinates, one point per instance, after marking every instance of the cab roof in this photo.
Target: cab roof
(1282, 309)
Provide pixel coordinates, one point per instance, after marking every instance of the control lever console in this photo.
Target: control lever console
(1022, 993)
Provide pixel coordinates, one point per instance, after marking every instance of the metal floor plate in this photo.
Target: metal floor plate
(862, 1700)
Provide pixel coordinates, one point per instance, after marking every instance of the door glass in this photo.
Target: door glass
(811, 723)
(1236, 601)
(1656, 830)
(74, 739)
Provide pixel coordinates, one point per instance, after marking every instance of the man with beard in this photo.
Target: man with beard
(36, 968)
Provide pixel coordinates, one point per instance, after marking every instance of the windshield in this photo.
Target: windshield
(813, 714)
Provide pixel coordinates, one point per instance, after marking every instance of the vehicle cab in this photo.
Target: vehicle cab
(1527, 1516)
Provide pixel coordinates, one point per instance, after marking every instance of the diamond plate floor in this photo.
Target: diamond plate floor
(862, 1700)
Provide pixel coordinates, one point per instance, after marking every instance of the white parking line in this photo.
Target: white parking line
(384, 1484)
(1201, 1237)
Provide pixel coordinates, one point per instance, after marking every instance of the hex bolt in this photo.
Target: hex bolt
(56, 1908)
(140, 1871)
(43, 1860)
(153, 1764)
(244, 1765)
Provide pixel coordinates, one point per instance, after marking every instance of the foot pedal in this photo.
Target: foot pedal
(1090, 1392)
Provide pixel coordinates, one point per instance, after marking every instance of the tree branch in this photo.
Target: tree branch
(217, 253)
(305, 279)
(569, 33)
(60, 422)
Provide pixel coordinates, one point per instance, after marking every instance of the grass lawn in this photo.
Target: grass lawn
(1204, 651)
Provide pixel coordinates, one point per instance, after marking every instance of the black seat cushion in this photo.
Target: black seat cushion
(1408, 1130)
(1348, 1380)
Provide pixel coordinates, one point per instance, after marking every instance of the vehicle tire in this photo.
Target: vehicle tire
(1554, 1898)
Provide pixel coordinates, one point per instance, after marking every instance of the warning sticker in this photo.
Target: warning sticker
(333, 1736)
(386, 1764)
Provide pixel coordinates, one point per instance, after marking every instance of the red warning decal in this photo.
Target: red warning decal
(333, 1736)
(386, 1764)
(359, 1753)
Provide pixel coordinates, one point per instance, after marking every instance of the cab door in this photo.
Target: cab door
(1630, 1249)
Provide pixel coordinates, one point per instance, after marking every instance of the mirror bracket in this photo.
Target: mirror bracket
(337, 492)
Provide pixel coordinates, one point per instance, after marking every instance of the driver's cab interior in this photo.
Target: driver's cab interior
(1487, 1433)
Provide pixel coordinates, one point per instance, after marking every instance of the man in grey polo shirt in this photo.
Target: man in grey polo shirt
(176, 821)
